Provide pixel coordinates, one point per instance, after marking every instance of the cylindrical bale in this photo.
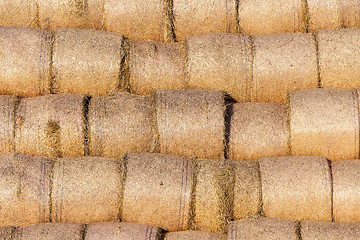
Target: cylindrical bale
(86, 189)
(138, 20)
(191, 123)
(7, 123)
(221, 62)
(155, 66)
(25, 61)
(192, 235)
(277, 16)
(338, 54)
(18, 13)
(350, 13)
(25, 190)
(247, 189)
(323, 15)
(51, 125)
(158, 190)
(329, 231)
(258, 130)
(86, 61)
(6, 233)
(324, 122)
(126, 231)
(50, 231)
(296, 188)
(262, 228)
(194, 18)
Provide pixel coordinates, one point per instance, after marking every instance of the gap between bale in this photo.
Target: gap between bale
(123, 173)
(316, 40)
(53, 139)
(169, 21)
(124, 74)
(86, 103)
(192, 213)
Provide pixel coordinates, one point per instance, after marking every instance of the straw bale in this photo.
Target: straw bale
(258, 130)
(51, 126)
(18, 13)
(125, 231)
(25, 61)
(6, 233)
(350, 13)
(25, 184)
(323, 15)
(329, 231)
(120, 123)
(262, 228)
(158, 191)
(192, 235)
(86, 61)
(136, 19)
(50, 231)
(338, 54)
(86, 189)
(276, 16)
(194, 18)
(283, 63)
(221, 62)
(7, 123)
(155, 65)
(296, 188)
(324, 122)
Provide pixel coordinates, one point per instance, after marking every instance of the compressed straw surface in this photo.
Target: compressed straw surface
(7, 124)
(18, 13)
(192, 235)
(329, 231)
(50, 231)
(323, 15)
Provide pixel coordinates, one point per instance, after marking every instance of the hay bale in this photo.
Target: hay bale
(51, 125)
(50, 231)
(296, 188)
(323, 15)
(324, 122)
(261, 228)
(25, 65)
(6, 233)
(136, 19)
(349, 12)
(329, 231)
(158, 191)
(86, 190)
(24, 193)
(18, 13)
(277, 16)
(221, 62)
(194, 18)
(120, 123)
(115, 231)
(86, 61)
(338, 54)
(258, 130)
(283, 63)
(155, 65)
(7, 123)
(192, 235)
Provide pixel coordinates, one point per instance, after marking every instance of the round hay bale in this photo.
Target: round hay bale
(262, 228)
(323, 15)
(296, 188)
(50, 231)
(221, 62)
(155, 65)
(18, 13)
(283, 63)
(329, 231)
(258, 130)
(25, 70)
(25, 190)
(194, 18)
(7, 123)
(86, 190)
(116, 231)
(51, 126)
(136, 19)
(192, 235)
(338, 54)
(191, 123)
(324, 122)
(277, 16)
(158, 191)
(6, 233)
(349, 12)
(120, 123)
(86, 61)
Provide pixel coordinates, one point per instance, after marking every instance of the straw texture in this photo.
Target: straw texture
(192, 235)
(50, 231)
(6, 233)
(18, 13)
(329, 231)
(350, 13)
(323, 15)
(7, 124)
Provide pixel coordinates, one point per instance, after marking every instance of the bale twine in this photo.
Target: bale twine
(296, 188)
(192, 235)
(283, 63)
(50, 231)
(25, 65)
(116, 231)
(258, 130)
(276, 16)
(8, 105)
(221, 62)
(136, 19)
(6, 233)
(86, 61)
(338, 54)
(323, 15)
(120, 123)
(262, 228)
(18, 13)
(194, 18)
(158, 191)
(51, 126)
(155, 65)
(25, 185)
(324, 122)
(329, 231)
